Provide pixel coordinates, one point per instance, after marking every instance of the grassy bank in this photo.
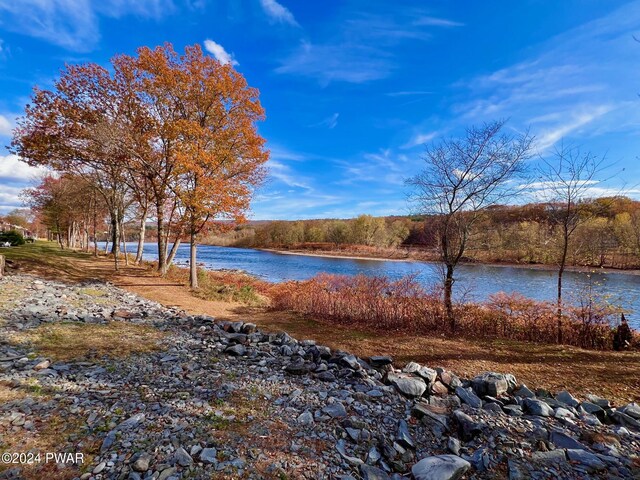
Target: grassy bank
(554, 367)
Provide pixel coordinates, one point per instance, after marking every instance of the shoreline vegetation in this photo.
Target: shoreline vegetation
(610, 373)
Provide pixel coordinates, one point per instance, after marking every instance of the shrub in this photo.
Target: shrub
(406, 306)
(13, 237)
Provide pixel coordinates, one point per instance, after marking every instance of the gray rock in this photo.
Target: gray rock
(513, 410)
(440, 467)
(537, 407)
(408, 385)
(369, 472)
(553, 456)
(411, 367)
(467, 396)
(305, 418)
(492, 383)
(601, 402)
(588, 459)
(209, 455)
(404, 437)
(380, 361)
(562, 440)
(167, 472)
(453, 444)
(335, 410)
(355, 461)
(142, 463)
(524, 392)
(182, 457)
(626, 420)
(631, 409)
(568, 399)
(100, 467)
(237, 350)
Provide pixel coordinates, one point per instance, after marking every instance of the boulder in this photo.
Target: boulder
(440, 467)
(537, 407)
(493, 384)
(407, 385)
(467, 396)
(568, 399)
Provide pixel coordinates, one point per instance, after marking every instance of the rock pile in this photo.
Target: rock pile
(226, 400)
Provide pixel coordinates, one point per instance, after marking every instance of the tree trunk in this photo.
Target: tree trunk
(563, 261)
(172, 253)
(95, 238)
(193, 268)
(123, 238)
(162, 243)
(141, 233)
(448, 294)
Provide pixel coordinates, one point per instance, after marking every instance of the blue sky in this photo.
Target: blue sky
(354, 89)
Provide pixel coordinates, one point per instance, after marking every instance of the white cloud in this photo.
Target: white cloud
(219, 52)
(583, 116)
(580, 83)
(73, 24)
(10, 197)
(6, 126)
(329, 122)
(14, 170)
(420, 139)
(277, 12)
(283, 173)
(437, 22)
(363, 46)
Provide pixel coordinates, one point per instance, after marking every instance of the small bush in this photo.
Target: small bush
(13, 237)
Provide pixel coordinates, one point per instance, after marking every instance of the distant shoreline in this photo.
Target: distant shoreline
(534, 266)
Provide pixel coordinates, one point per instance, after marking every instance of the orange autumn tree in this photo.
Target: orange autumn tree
(73, 128)
(210, 113)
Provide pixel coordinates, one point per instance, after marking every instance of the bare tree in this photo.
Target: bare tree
(565, 181)
(463, 176)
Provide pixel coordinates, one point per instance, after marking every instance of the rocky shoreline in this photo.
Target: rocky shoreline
(226, 400)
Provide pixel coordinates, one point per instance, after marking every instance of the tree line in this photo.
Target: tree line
(161, 135)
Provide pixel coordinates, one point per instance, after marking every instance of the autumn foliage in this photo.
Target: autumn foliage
(404, 306)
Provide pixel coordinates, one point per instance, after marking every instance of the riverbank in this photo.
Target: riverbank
(142, 390)
(530, 266)
(553, 367)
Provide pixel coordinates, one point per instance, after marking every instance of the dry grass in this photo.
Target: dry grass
(48, 436)
(71, 341)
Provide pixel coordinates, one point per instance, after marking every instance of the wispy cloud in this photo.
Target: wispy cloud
(581, 83)
(73, 24)
(284, 174)
(573, 121)
(362, 46)
(278, 12)
(437, 22)
(406, 93)
(219, 52)
(330, 122)
(420, 139)
(335, 62)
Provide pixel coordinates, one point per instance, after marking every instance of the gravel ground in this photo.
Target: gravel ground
(225, 400)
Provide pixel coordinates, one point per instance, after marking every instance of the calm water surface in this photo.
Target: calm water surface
(477, 282)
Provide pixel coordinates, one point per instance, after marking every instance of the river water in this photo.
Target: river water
(476, 282)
